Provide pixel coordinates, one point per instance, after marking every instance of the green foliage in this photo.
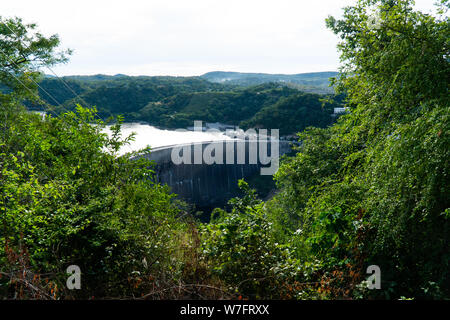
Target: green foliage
(315, 82)
(241, 248)
(69, 199)
(293, 113)
(115, 95)
(176, 102)
(373, 188)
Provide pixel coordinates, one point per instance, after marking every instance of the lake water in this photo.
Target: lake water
(147, 135)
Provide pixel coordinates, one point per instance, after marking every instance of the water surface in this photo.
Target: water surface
(147, 135)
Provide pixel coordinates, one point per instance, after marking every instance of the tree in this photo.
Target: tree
(23, 51)
(385, 200)
(68, 198)
(241, 248)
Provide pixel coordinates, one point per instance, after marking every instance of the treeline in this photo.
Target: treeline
(314, 82)
(175, 102)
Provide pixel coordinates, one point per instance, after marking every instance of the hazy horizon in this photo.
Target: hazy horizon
(168, 75)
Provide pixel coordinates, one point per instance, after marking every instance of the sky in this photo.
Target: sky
(189, 37)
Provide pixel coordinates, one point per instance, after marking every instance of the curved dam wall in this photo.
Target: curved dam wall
(206, 173)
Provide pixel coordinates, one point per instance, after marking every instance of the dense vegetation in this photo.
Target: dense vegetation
(374, 187)
(66, 201)
(371, 189)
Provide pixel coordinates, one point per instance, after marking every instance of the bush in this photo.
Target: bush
(66, 198)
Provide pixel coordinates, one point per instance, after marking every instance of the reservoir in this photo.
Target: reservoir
(147, 135)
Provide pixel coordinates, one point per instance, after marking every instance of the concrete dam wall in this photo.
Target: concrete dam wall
(206, 173)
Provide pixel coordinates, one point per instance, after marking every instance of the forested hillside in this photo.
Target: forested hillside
(175, 102)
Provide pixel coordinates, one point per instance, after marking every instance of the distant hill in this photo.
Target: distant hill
(175, 102)
(316, 82)
(96, 77)
(120, 93)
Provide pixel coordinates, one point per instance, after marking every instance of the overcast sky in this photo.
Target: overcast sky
(189, 37)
